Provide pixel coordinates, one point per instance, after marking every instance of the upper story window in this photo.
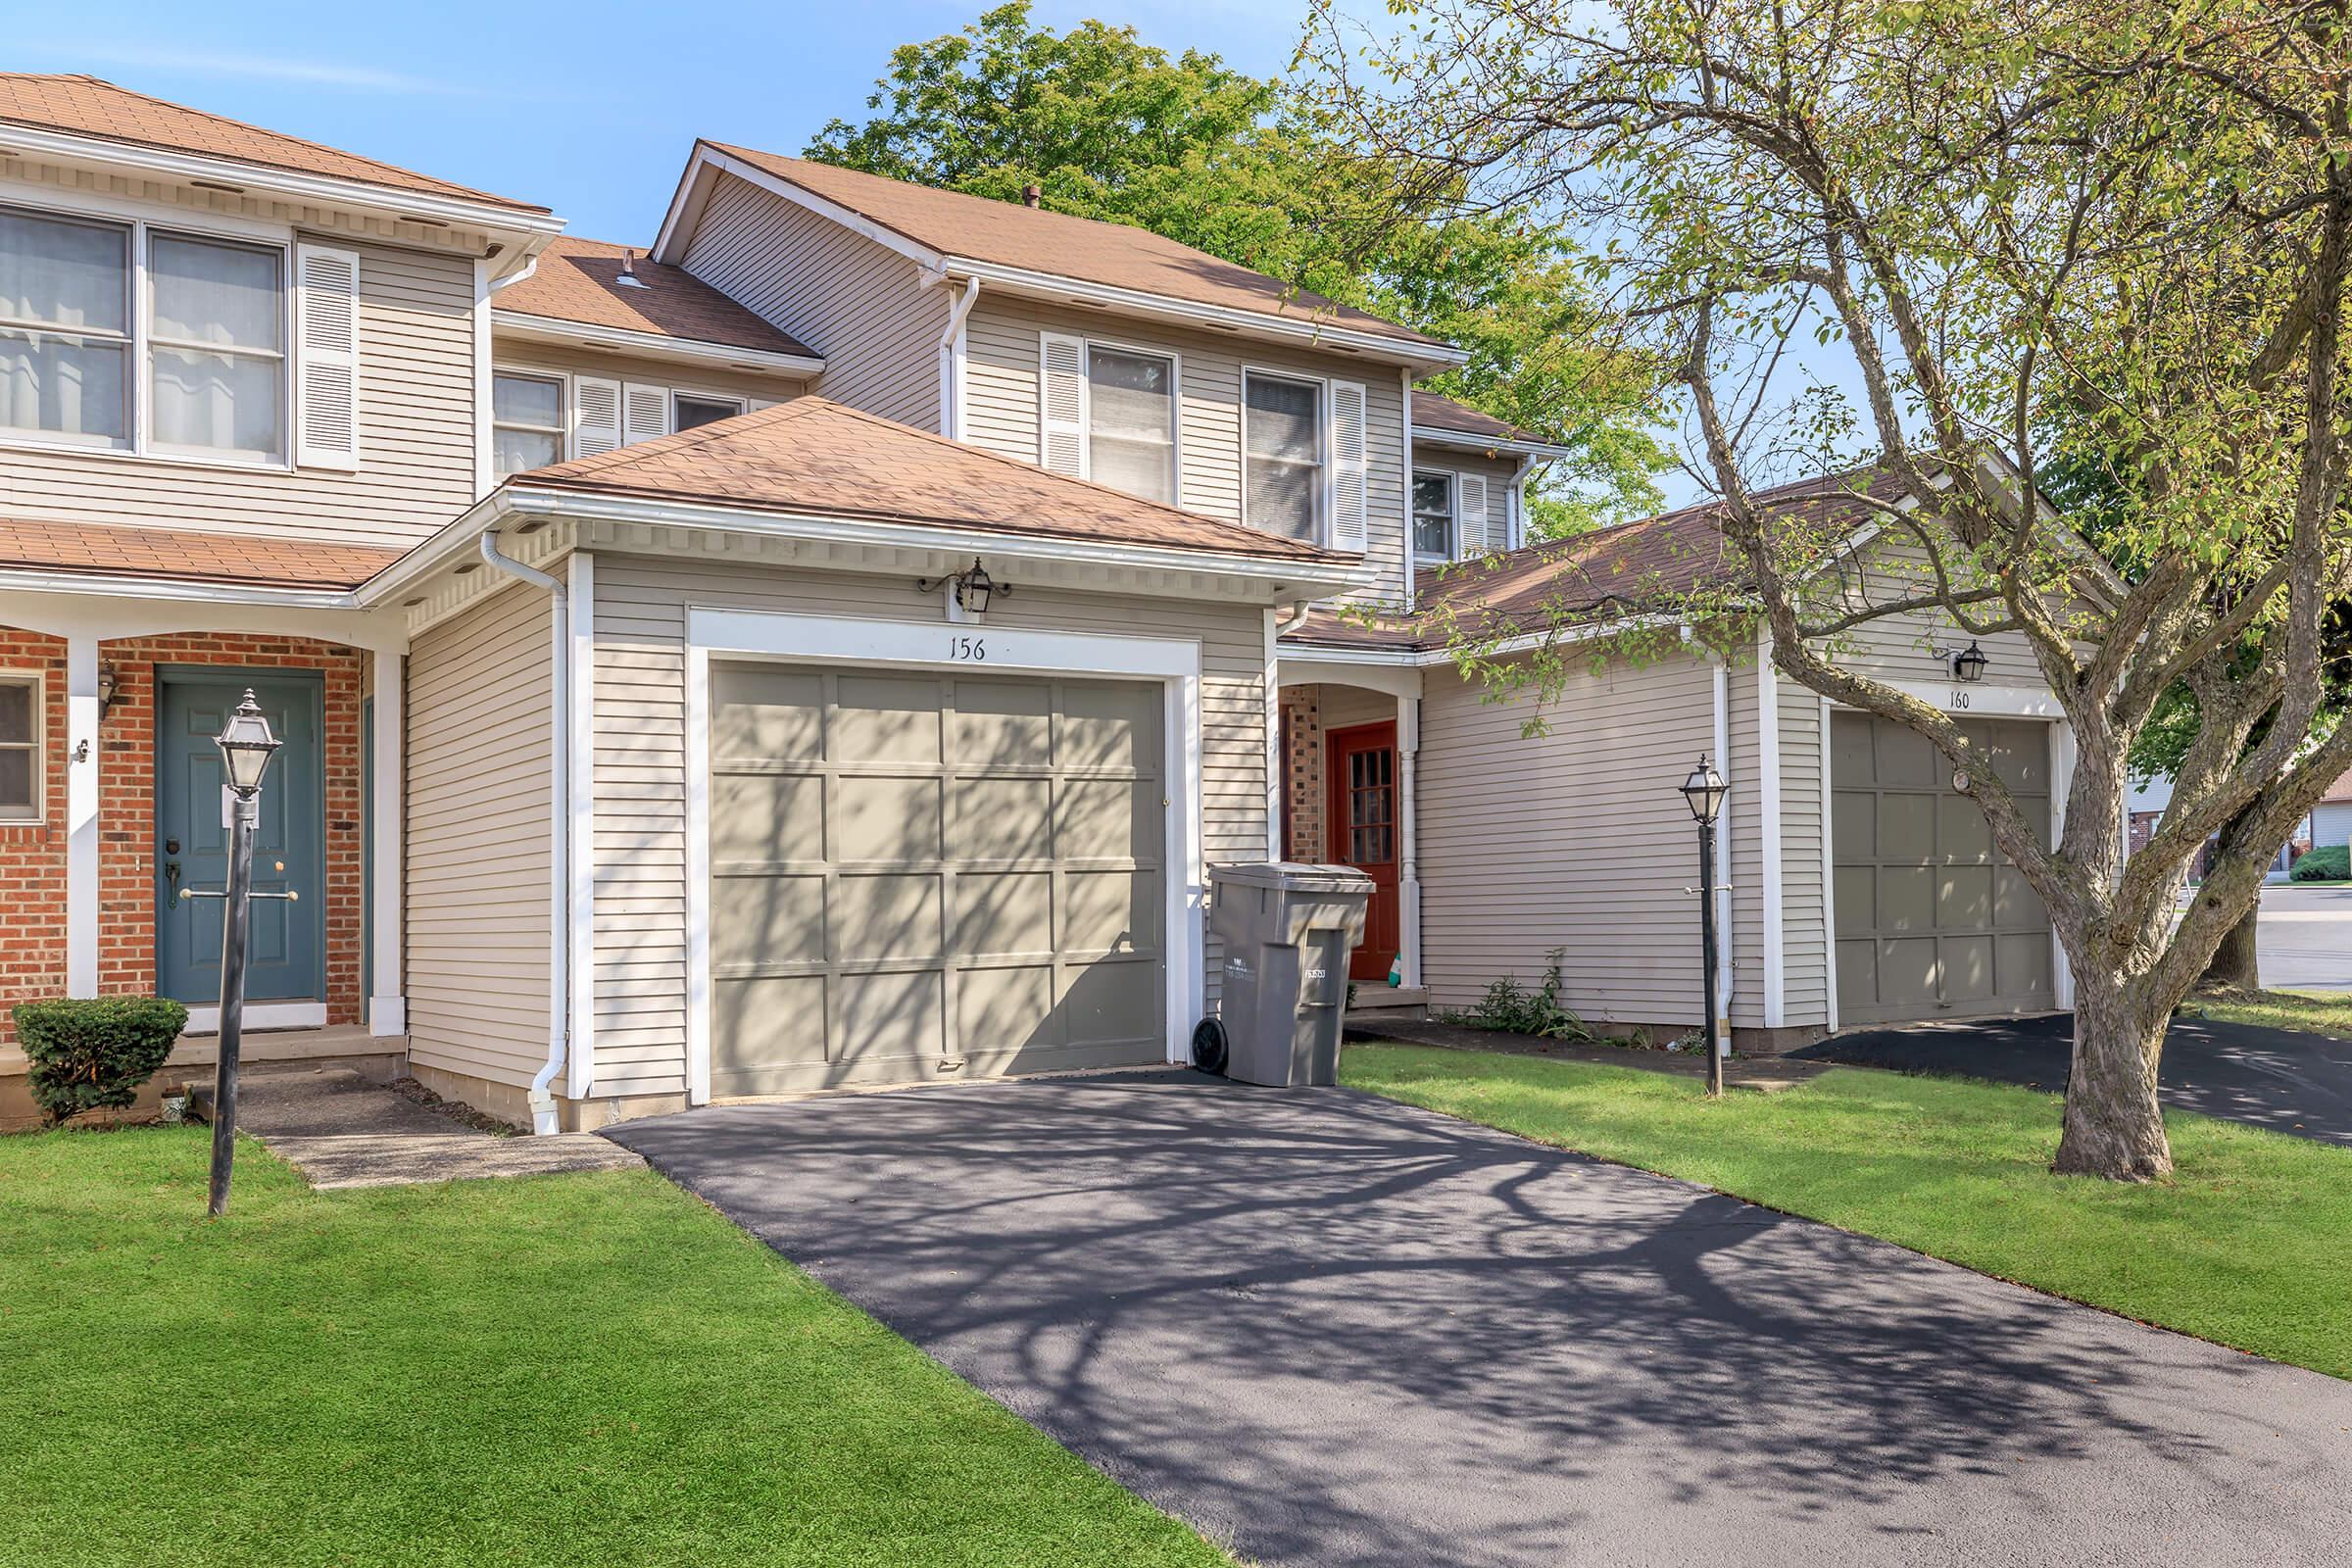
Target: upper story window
(1131, 421)
(1283, 455)
(19, 747)
(204, 370)
(1433, 516)
(694, 409)
(526, 418)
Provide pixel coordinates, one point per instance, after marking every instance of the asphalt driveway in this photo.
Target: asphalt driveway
(2276, 1078)
(1327, 1330)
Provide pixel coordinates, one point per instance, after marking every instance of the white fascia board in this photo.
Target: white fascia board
(316, 191)
(1330, 654)
(1463, 441)
(529, 329)
(1306, 329)
(183, 590)
(1523, 643)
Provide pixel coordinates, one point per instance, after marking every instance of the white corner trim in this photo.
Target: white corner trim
(82, 751)
(1828, 876)
(1726, 967)
(387, 1012)
(485, 464)
(579, 739)
(1768, 782)
(902, 645)
(1408, 838)
(1275, 761)
(2062, 783)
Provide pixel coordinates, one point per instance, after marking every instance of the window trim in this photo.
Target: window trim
(1175, 408)
(743, 405)
(1453, 514)
(1324, 466)
(560, 429)
(37, 814)
(140, 225)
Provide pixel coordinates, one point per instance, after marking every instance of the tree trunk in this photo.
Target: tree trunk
(2114, 1127)
(2234, 962)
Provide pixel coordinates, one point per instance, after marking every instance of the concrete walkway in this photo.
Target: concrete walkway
(341, 1131)
(1328, 1328)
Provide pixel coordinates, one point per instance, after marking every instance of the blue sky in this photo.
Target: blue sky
(587, 107)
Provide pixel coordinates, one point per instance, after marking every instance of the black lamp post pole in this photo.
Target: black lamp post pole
(1708, 962)
(235, 916)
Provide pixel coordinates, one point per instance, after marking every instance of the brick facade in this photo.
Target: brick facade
(32, 859)
(1302, 806)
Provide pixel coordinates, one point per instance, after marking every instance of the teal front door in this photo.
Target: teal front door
(288, 946)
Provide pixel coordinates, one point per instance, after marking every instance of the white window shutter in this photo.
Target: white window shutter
(1480, 536)
(1350, 523)
(327, 357)
(596, 416)
(1062, 404)
(644, 413)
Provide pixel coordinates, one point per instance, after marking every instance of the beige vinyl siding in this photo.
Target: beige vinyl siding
(480, 796)
(1902, 647)
(516, 354)
(641, 606)
(1497, 471)
(1576, 840)
(1001, 346)
(1342, 706)
(416, 434)
(849, 298)
(1805, 948)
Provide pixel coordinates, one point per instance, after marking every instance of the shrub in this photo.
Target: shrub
(2329, 862)
(1511, 1009)
(94, 1052)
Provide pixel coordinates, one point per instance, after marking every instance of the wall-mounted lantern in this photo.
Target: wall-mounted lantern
(972, 588)
(1968, 665)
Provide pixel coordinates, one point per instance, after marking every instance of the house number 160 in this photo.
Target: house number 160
(970, 650)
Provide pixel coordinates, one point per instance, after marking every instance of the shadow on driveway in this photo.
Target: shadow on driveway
(1328, 1328)
(2276, 1078)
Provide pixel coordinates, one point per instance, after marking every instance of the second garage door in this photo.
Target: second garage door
(915, 877)
(1933, 921)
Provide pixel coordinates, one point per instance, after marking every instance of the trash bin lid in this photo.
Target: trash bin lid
(1291, 875)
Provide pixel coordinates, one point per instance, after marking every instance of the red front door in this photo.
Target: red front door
(1363, 827)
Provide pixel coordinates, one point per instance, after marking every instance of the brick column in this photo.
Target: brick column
(1303, 771)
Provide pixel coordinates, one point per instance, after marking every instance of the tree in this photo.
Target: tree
(2028, 230)
(1109, 127)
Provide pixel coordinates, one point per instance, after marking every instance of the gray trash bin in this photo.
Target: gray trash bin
(1286, 931)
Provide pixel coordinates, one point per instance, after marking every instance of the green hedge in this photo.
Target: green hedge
(2329, 863)
(94, 1052)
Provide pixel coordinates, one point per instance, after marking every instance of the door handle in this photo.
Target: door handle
(171, 878)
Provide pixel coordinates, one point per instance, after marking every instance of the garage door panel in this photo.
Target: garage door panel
(2025, 963)
(762, 713)
(767, 1036)
(766, 920)
(880, 1019)
(1002, 819)
(1852, 742)
(2014, 900)
(882, 915)
(1905, 760)
(1907, 829)
(1964, 897)
(1857, 975)
(885, 718)
(1109, 1000)
(1854, 824)
(767, 817)
(1106, 819)
(1906, 898)
(1005, 912)
(1968, 974)
(1907, 967)
(1008, 1009)
(1962, 835)
(1856, 888)
(1109, 911)
(1003, 723)
(883, 818)
(1110, 726)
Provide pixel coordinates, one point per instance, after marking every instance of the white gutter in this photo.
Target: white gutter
(1464, 441)
(559, 1033)
(526, 327)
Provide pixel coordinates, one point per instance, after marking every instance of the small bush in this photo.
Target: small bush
(2329, 862)
(1511, 1009)
(94, 1052)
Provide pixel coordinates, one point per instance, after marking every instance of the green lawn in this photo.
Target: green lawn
(572, 1369)
(2250, 1244)
(2318, 1012)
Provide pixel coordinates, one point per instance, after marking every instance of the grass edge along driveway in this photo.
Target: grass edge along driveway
(2248, 1244)
(588, 1368)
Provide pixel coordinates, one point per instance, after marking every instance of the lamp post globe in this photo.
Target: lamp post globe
(246, 746)
(1703, 791)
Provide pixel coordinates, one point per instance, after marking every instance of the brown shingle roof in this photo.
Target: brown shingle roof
(102, 549)
(576, 281)
(1634, 564)
(1438, 411)
(90, 107)
(1083, 249)
(813, 457)
(2339, 791)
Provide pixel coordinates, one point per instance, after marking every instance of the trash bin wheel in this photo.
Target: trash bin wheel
(1209, 1046)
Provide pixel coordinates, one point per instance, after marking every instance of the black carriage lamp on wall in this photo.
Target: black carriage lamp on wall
(974, 588)
(1968, 665)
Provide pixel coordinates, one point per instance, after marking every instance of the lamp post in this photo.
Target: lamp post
(1703, 792)
(246, 747)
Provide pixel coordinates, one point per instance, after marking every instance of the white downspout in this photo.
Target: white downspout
(559, 958)
(1294, 620)
(951, 411)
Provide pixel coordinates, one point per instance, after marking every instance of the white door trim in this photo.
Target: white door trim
(935, 645)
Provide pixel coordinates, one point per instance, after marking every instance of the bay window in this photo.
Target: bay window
(526, 421)
(1131, 421)
(1282, 454)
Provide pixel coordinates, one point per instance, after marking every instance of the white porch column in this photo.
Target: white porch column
(1408, 827)
(387, 1008)
(82, 815)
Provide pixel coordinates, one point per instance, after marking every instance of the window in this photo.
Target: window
(216, 346)
(1131, 421)
(1282, 449)
(64, 329)
(19, 747)
(694, 409)
(1433, 516)
(526, 418)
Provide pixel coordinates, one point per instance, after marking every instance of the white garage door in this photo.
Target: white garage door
(916, 876)
(1933, 921)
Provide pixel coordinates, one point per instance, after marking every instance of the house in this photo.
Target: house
(825, 646)
(2332, 819)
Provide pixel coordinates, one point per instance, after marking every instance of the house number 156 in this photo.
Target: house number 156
(968, 649)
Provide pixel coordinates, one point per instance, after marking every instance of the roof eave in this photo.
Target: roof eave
(534, 328)
(1465, 441)
(186, 590)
